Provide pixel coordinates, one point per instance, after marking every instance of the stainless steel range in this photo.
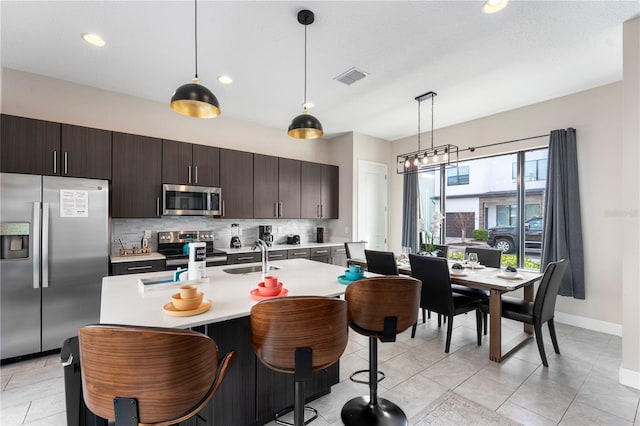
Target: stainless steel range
(172, 245)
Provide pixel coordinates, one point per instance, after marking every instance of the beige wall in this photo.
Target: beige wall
(597, 116)
(31, 95)
(341, 154)
(630, 206)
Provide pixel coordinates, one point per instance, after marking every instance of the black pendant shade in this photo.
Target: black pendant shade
(305, 126)
(195, 100)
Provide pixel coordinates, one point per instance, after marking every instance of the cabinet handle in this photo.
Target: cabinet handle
(280, 208)
(299, 254)
(158, 206)
(65, 163)
(321, 210)
(322, 251)
(275, 209)
(55, 162)
(189, 167)
(317, 210)
(245, 258)
(196, 173)
(137, 268)
(340, 250)
(223, 208)
(276, 256)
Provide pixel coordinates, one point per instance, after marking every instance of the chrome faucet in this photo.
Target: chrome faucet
(265, 258)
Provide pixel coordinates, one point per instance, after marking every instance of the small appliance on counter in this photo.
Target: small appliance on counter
(293, 239)
(235, 236)
(264, 233)
(320, 234)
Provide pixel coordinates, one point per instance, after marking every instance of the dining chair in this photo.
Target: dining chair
(437, 295)
(299, 335)
(539, 311)
(379, 308)
(489, 257)
(355, 249)
(381, 262)
(155, 376)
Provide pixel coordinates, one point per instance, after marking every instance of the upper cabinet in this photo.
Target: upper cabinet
(29, 146)
(86, 152)
(276, 187)
(54, 149)
(189, 164)
(137, 176)
(319, 191)
(236, 181)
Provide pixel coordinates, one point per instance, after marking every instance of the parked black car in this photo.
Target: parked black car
(504, 237)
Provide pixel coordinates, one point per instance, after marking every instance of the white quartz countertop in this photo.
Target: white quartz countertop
(125, 301)
(137, 258)
(249, 248)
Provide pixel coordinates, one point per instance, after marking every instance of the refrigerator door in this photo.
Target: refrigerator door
(19, 286)
(75, 258)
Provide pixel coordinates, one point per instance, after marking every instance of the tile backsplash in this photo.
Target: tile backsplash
(131, 231)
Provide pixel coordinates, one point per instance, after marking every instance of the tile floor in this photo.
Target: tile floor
(580, 386)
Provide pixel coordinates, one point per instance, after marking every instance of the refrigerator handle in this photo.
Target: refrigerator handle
(35, 238)
(45, 245)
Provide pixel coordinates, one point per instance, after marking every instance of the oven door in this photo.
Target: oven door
(185, 200)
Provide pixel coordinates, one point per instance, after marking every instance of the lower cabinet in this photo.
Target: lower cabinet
(234, 259)
(137, 267)
(298, 253)
(278, 255)
(322, 254)
(339, 256)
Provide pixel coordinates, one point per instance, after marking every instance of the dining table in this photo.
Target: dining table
(497, 283)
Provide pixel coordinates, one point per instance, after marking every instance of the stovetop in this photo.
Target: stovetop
(171, 243)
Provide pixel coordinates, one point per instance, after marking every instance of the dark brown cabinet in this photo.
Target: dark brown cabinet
(188, 164)
(319, 191)
(86, 152)
(45, 148)
(276, 187)
(29, 146)
(138, 267)
(137, 176)
(251, 257)
(236, 181)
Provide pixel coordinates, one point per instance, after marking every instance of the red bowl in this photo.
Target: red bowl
(269, 291)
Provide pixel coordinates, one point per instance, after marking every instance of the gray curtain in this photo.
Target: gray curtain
(562, 219)
(410, 213)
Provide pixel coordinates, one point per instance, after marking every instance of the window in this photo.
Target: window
(458, 176)
(533, 170)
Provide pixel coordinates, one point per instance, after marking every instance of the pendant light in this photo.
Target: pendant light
(305, 126)
(193, 99)
(427, 159)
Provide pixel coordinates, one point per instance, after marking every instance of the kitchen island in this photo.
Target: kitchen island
(251, 393)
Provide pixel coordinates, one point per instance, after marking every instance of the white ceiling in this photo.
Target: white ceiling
(478, 64)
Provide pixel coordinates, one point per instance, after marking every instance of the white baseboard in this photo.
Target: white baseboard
(630, 378)
(589, 323)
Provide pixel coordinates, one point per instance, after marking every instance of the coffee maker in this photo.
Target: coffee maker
(320, 231)
(235, 236)
(264, 233)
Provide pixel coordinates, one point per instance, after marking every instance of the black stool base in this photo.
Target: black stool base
(358, 412)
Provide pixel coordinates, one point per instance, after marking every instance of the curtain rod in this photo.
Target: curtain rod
(473, 148)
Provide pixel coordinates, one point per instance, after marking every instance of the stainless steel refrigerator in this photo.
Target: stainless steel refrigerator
(54, 248)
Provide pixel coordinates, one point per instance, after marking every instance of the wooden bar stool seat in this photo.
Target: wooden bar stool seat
(379, 308)
(299, 335)
(146, 375)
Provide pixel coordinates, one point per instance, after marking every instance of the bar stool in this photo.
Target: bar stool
(299, 335)
(155, 376)
(379, 308)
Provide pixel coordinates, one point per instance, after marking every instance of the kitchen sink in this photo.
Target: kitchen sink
(248, 269)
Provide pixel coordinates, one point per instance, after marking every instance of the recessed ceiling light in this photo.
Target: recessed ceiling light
(225, 79)
(493, 6)
(93, 39)
(308, 105)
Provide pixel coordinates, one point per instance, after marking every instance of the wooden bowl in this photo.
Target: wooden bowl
(187, 304)
(263, 290)
(188, 291)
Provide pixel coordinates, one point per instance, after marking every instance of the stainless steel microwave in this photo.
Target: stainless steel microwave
(186, 200)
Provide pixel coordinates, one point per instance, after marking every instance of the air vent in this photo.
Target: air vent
(351, 76)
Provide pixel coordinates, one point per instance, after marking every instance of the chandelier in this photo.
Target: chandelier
(427, 159)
